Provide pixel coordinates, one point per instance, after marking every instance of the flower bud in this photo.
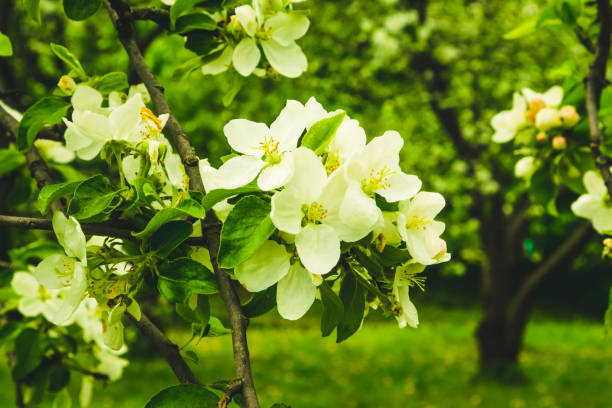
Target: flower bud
(537, 104)
(559, 143)
(608, 243)
(142, 90)
(569, 116)
(548, 118)
(524, 167)
(234, 25)
(67, 85)
(541, 137)
(317, 280)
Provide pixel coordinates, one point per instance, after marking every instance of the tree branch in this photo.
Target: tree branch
(120, 15)
(168, 349)
(160, 16)
(595, 83)
(232, 389)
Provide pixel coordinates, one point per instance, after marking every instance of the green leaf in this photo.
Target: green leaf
(374, 268)
(548, 13)
(47, 111)
(523, 29)
(543, 189)
(33, 9)
(192, 207)
(196, 21)
(196, 313)
(202, 42)
(184, 396)
(280, 405)
(608, 315)
(160, 218)
(180, 6)
(237, 82)
(62, 400)
(30, 348)
(215, 328)
(216, 196)
(69, 58)
(353, 298)
(179, 278)
(59, 378)
(10, 160)
(52, 192)
(333, 310)
(6, 49)
(322, 132)
(113, 81)
(81, 9)
(569, 12)
(247, 226)
(260, 303)
(92, 197)
(186, 68)
(170, 236)
(392, 256)
(384, 205)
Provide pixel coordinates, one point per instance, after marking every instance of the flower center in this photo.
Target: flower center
(66, 272)
(314, 213)
(417, 222)
(535, 105)
(152, 123)
(377, 181)
(270, 150)
(332, 162)
(43, 294)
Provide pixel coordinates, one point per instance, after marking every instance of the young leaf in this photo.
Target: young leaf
(6, 49)
(260, 303)
(202, 42)
(523, 29)
(160, 218)
(184, 396)
(195, 21)
(215, 328)
(247, 226)
(333, 310)
(30, 348)
(353, 298)
(200, 313)
(216, 196)
(47, 111)
(81, 9)
(92, 197)
(543, 189)
(69, 58)
(322, 132)
(179, 278)
(10, 160)
(52, 192)
(113, 81)
(170, 236)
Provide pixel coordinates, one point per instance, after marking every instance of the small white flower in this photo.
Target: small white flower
(595, 205)
(408, 314)
(507, 123)
(524, 168)
(35, 298)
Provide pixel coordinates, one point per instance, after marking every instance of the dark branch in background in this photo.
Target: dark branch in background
(160, 16)
(121, 16)
(40, 172)
(82, 370)
(595, 83)
(168, 349)
(19, 395)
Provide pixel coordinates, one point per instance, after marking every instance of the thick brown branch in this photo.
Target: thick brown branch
(168, 349)
(160, 16)
(120, 15)
(595, 83)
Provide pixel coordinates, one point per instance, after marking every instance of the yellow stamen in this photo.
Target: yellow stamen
(378, 180)
(417, 223)
(152, 122)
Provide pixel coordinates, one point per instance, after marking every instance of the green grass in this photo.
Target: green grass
(568, 363)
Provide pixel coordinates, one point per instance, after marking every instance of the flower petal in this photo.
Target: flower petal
(277, 175)
(400, 186)
(238, 171)
(246, 56)
(288, 60)
(594, 184)
(86, 98)
(289, 125)
(295, 293)
(602, 220)
(266, 267)
(309, 176)
(70, 236)
(24, 284)
(126, 118)
(587, 205)
(287, 212)
(247, 18)
(55, 271)
(318, 247)
(74, 296)
(358, 214)
(286, 28)
(425, 205)
(219, 64)
(245, 136)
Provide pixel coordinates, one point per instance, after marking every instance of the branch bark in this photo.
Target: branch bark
(159, 16)
(121, 17)
(595, 83)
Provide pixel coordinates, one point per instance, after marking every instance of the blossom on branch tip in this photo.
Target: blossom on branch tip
(595, 205)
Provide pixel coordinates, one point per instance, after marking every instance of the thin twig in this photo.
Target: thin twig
(168, 349)
(595, 83)
(159, 16)
(120, 15)
(232, 389)
(83, 370)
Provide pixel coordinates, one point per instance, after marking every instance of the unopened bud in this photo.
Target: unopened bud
(569, 116)
(317, 280)
(234, 25)
(608, 243)
(67, 85)
(142, 90)
(541, 137)
(548, 118)
(524, 167)
(559, 143)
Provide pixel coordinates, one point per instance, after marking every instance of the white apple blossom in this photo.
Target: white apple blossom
(408, 314)
(276, 34)
(508, 123)
(302, 209)
(421, 232)
(595, 205)
(263, 149)
(35, 298)
(350, 138)
(59, 271)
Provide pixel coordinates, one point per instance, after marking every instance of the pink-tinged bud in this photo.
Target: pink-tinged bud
(541, 137)
(234, 25)
(559, 143)
(67, 85)
(569, 116)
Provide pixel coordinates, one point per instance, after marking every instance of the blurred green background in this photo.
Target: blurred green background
(436, 71)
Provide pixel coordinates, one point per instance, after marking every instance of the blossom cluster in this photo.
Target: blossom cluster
(324, 196)
(535, 122)
(272, 26)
